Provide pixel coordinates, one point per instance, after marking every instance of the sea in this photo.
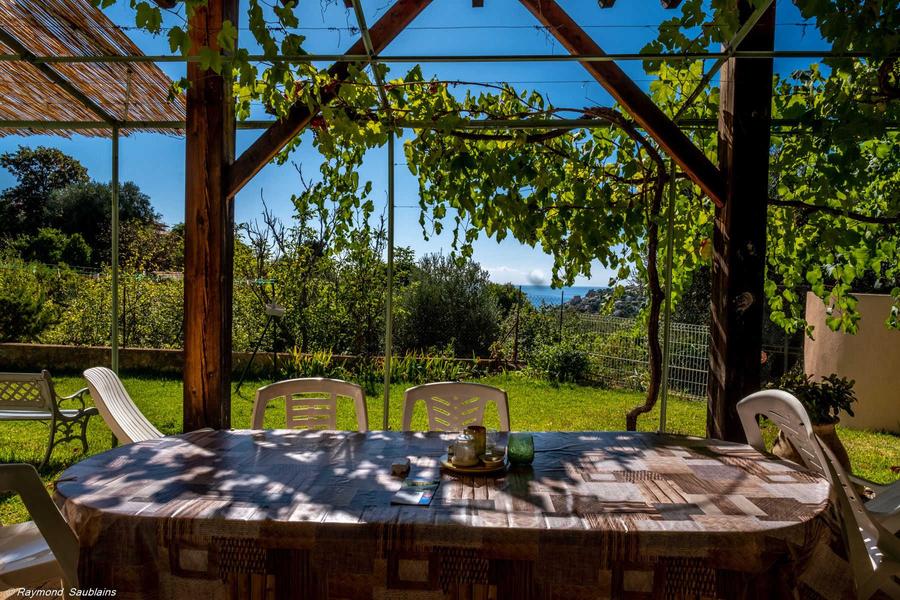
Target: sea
(544, 294)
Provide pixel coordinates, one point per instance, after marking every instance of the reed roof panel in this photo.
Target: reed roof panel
(125, 91)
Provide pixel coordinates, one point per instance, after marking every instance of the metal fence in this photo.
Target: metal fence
(618, 347)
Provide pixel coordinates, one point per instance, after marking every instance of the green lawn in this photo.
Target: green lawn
(534, 405)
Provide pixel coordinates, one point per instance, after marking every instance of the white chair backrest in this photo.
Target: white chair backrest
(26, 391)
(23, 480)
(788, 414)
(453, 406)
(117, 408)
(874, 551)
(311, 403)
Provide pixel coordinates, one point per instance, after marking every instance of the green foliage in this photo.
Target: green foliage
(32, 297)
(449, 303)
(39, 172)
(564, 362)
(823, 400)
(422, 367)
(537, 326)
(508, 298)
(846, 22)
(151, 309)
(320, 363)
(694, 303)
(412, 368)
(52, 246)
(55, 214)
(583, 196)
(852, 166)
(22, 313)
(628, 343)
(85, 208)
(150, 246)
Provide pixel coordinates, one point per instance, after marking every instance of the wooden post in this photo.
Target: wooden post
(739, 236)
(209, 229)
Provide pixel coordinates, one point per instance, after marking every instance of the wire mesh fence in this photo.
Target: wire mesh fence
(620, 356)
(619, 352)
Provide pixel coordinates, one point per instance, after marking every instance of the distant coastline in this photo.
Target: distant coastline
(544, 294)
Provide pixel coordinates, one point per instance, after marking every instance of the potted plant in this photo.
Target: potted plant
(823, 400)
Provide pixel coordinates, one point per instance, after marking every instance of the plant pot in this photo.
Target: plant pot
(782, 447)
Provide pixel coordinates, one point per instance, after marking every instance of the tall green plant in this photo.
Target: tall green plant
(449, 303)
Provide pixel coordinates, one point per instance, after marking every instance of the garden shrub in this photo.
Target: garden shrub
(413, 368)
(424, 367)
(320, 363)
(22, 315)
(28, 298)
(448, 302)
(564, 361)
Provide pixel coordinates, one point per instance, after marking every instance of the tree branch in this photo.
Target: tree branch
(849, 214)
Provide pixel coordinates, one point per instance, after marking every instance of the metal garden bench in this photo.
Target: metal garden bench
(31, 397)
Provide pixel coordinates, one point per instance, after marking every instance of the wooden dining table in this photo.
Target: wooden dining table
(308, 514)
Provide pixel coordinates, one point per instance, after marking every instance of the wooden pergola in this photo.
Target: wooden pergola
(737, 184)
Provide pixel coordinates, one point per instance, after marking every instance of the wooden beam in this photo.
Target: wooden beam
(739, 235)
(667, 134)
(209, 229)
(270, 143)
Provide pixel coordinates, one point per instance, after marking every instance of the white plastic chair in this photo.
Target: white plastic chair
(38, 551)
(788, 414)
(885, 506)
(453, 406)
(874, 552)
(303, 411)
(117, 408)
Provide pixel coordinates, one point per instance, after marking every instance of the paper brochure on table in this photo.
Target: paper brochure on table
(416, 492)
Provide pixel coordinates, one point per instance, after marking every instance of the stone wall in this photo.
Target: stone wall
(34, 357)
(66, 359)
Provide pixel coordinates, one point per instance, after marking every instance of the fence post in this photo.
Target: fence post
(274, 340)
(562, 294)
(785, 349)
(516, 330)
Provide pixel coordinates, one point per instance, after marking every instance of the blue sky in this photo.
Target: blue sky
(156, 162)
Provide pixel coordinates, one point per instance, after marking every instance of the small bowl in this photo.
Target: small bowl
(491, 460)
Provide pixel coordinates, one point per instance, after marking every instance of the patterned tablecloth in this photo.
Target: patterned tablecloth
(300, 514)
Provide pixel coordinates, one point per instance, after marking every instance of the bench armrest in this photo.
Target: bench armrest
(79, 396)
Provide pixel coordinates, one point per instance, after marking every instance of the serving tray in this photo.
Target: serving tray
(479, 469)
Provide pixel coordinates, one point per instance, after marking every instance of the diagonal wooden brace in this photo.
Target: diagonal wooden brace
(641, 108)
(270, 143)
